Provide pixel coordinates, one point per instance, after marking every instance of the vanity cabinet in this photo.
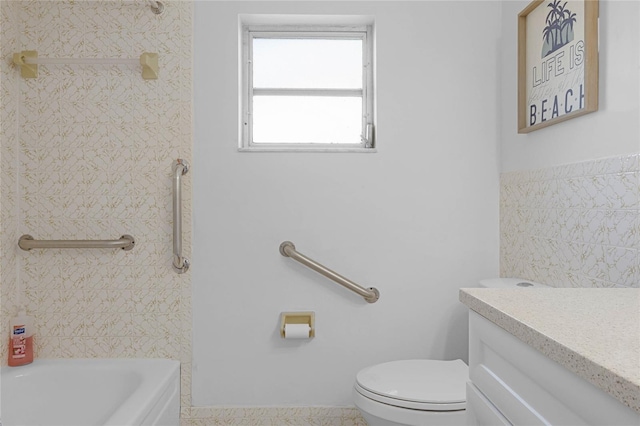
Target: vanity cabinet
(512, 383)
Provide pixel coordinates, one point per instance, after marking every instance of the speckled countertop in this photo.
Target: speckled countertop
(595, 333)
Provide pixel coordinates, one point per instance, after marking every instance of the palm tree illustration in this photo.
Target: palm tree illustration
(559, 28)
(568, 20)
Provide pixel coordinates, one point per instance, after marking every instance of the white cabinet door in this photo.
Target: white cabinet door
(480, 411)
(528, 388)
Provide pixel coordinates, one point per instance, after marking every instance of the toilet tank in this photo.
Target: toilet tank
(510, 283)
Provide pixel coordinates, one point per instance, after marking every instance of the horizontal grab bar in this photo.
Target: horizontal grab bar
(371, 294)
(26, 242)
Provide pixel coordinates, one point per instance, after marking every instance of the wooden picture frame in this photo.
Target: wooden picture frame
(557, 62)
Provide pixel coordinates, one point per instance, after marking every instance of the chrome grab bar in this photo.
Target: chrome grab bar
(26, 242)
(371, 294)
(180, 264)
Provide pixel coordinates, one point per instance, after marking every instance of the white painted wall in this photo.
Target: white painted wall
(613, 130)
(417, 220)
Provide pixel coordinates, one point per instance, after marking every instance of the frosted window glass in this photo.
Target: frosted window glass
(307, 119)
(307, 63)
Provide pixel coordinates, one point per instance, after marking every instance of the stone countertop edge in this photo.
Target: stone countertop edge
(618, 386)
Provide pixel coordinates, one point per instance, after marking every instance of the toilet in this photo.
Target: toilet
(419, 392)
(416, 392)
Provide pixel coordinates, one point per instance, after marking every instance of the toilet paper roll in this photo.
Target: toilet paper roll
(296, 331)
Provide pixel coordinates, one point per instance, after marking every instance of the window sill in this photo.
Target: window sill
(303, 149)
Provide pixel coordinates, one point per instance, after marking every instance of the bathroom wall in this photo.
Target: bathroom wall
(87, 154)
(417, 220)
(569, 202)
(613, 130)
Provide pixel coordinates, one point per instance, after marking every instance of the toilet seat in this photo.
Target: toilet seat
(419, 384)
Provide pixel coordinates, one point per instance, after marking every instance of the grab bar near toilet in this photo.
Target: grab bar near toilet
(371, 294)
(180, 263)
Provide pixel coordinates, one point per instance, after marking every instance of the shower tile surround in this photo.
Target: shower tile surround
(575, 225)
(86, 153)
(9, 224)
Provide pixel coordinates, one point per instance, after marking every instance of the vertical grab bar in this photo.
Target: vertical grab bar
(180, 264)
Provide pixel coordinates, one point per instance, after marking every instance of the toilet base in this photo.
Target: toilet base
(378, 414)
(377, 421)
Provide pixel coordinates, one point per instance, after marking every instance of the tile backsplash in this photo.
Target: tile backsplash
(86, 153)
(575, 225)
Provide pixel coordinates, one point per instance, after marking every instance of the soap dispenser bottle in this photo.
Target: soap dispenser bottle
(21, 340)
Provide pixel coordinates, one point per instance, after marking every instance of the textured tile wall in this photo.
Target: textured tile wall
(8, 167)
(576, 225)
(274, 416)
(93, 152)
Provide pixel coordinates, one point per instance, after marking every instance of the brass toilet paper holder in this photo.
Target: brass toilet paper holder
(298, 318)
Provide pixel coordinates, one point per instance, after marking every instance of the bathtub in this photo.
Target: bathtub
(83, 392)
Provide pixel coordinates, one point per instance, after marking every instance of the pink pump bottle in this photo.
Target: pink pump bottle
(21, 340)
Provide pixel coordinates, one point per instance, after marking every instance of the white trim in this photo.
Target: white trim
(305, 32)
(368, 98)
(311, 20)
(302, 31)
(299, 148)
(244, 87)
(336, 93)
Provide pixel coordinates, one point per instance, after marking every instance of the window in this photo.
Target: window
(307, 88)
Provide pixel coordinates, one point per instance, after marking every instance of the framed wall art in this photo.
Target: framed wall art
(557, 62)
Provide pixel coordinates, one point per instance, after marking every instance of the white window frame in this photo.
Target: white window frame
(343, 32)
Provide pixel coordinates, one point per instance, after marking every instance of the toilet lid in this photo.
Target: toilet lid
(417, 383)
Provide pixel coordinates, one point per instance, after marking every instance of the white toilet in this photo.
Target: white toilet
(416, 392)
(420, 392)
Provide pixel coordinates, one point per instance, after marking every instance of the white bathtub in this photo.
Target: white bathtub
(84, 392)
